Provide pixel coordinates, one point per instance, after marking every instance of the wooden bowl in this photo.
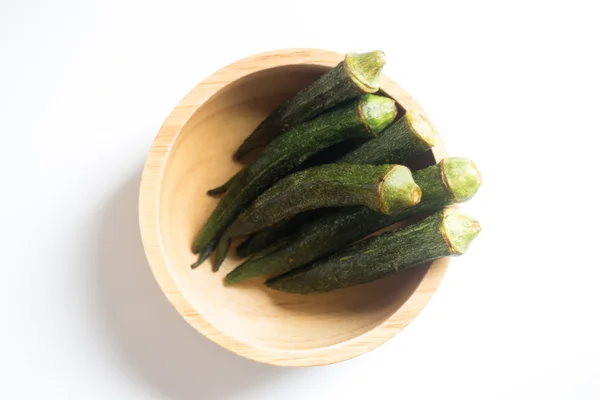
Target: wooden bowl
(191, 154)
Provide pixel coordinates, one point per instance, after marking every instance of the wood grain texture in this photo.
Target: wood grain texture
(191, 154)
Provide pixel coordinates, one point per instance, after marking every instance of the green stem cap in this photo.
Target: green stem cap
(365, 69)
(459, 230)
(422, 127)
(398, 191)
(377, 112)
(461, 176)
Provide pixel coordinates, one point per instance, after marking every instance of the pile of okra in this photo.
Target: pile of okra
(332, 171)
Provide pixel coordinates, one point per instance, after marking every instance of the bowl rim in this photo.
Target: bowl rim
(150, 230)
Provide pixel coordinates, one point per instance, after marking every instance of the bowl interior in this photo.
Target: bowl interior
(200, 159)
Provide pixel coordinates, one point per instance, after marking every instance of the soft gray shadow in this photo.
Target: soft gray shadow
(142, 326)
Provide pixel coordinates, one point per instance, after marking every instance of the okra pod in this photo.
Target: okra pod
(362, 118)
(388, 189)
(445, 233)
(453, 180)
(356, 75)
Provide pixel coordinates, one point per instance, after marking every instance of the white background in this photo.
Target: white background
(85, 86)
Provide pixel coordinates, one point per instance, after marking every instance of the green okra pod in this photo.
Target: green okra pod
(445, 233)
(453, 180)
(388, 189)
(362, 118)
(410, 135)
(356, 75)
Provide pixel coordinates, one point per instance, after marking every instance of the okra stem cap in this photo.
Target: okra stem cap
(365, 69)
(422, 127)
(398, 191)
(377, 112)
(461, 176)
(459, 230)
